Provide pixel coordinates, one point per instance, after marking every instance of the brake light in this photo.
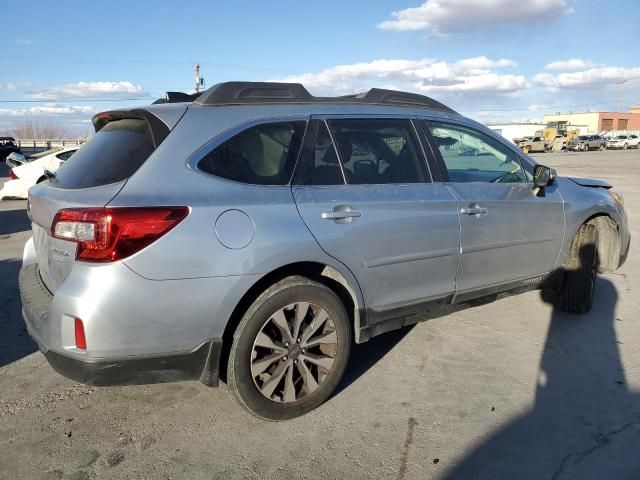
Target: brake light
(12, 175)
(109, 234)
(81, 340)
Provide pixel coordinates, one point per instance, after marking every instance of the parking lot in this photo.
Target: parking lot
(512, 389)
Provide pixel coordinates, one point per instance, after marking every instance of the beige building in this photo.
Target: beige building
(599, 121)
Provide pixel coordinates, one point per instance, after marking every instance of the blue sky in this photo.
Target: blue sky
(489, 59)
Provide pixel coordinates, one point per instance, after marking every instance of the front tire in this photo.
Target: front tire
(576, 293)
(290, 350)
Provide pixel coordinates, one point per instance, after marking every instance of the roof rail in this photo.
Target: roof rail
(254, 92)
(380, 95)
(240, 93)
(177, 97)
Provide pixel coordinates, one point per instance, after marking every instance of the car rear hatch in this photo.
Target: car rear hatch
(92, 177)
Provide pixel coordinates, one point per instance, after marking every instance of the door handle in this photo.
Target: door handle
(341, 214)
(474, 209)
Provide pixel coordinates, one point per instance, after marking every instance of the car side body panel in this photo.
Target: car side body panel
(179, 293)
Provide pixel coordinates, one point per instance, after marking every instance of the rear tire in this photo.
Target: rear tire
(290, 350)
(602, 147)
(585, 147)
(576, 293)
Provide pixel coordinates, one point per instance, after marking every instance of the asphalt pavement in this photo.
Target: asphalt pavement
(514, 389)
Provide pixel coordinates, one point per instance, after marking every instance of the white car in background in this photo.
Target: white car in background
(624, 142)
(24, 176)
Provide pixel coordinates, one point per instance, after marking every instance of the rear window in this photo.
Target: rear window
(112, 155)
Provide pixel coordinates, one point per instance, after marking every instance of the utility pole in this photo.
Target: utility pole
(199, 78)
(622, 94)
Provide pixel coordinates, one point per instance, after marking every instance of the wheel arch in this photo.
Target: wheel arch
(608, 240)
(347, 289)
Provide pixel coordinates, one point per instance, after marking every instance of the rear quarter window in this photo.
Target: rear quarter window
(112, 155)
(265, 154)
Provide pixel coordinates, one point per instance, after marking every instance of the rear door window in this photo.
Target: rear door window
(319, 164)
(379, 151)
(112, 155)
(265, 154)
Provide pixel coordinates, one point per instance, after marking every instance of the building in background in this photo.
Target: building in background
(516, 129)
(596, 122)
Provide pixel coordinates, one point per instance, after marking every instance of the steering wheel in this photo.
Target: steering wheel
(509, 177)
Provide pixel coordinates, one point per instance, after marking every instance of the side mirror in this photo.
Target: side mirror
(543, 176)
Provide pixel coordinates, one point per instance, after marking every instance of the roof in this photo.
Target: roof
(259, 93)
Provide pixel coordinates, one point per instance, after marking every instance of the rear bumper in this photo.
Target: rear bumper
(201, 363)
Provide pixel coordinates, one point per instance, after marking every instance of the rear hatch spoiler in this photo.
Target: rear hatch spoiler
(160, 118)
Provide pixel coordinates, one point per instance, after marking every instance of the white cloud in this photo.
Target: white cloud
(90, 90)
(448, 16)
(48, 109)
(593, 77)
(571, 64)
(470, 75)
(23, 41)
(9, 86)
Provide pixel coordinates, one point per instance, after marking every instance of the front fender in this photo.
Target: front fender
(584, 203)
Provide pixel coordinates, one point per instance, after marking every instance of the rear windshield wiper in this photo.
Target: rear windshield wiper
(49, 174)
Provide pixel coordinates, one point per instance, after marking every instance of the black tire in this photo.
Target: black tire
(240, 381)
(585, 147)
(602, 147)
(578, 286)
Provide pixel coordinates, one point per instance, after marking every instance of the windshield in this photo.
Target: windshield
(583, 137)
(622, 137)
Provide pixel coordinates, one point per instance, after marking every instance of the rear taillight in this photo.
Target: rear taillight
(109, 234)
(12, 175)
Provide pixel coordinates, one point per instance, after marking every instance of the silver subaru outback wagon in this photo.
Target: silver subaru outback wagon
(254, 232)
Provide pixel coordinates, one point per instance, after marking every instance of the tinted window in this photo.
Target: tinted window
(379, 151)
(262, 155)
(471, 156)
(319, 164)
(65, 155)
(112, 155)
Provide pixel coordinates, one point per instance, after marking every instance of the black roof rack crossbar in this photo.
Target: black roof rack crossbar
(239, 93)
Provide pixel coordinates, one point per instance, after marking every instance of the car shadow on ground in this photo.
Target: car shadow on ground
(15, 342)
(366, 355)
(585, 422)
(14, 221)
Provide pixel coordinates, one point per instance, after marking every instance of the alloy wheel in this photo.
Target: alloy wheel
(293, 352)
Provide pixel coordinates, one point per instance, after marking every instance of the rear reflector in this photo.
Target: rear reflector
(12, 175)
(109, 234)
(81, 341)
